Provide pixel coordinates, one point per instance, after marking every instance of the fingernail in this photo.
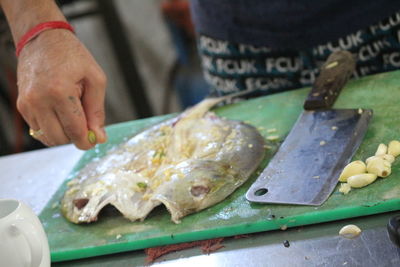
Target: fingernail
(92, 137)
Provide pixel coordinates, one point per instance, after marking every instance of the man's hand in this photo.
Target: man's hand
(61, 89)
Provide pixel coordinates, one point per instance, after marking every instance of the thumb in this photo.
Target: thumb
(93, 105)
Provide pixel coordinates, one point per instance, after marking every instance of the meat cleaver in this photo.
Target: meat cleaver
(306, 167)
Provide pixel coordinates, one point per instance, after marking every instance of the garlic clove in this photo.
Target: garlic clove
(353, 168)
(361, 180)
(387, 164)
(387, 157)
(368, 160)
(344, 188)
(382, 149)
(379, 166)
(350, 231)
(394, 148)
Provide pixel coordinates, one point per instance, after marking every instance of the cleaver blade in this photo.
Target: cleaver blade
(307, 165)
(306, 168)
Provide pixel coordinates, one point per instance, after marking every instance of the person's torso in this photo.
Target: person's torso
(286, 23)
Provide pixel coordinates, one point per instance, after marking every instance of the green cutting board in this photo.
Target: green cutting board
(235, 215)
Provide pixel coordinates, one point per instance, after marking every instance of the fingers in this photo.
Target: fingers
(71, 119)
(53, 133)
(61, 117)
(28, 116)
(38, 134)
(66, 118)
(93, 103)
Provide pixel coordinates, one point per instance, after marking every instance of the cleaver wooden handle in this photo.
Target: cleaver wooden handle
(334, 74)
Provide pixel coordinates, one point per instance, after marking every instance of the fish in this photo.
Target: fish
(187, 163)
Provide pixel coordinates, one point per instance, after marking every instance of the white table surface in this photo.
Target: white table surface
(32, 177)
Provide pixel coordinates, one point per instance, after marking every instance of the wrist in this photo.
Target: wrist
(22, 15)
(39, 29)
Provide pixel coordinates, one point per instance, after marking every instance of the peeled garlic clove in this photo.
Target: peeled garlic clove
(350, 231)
(387, 157)
(385, 173)
(344, 188)
(368, 160)
(394, 148)
(353, 168)
(379, 166)
(376, 160)
(361, 180)
(382, 149)
(387, 163)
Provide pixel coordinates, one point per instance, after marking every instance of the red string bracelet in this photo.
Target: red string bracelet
(41, 27)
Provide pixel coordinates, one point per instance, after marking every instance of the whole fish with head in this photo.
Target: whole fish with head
(187, 163)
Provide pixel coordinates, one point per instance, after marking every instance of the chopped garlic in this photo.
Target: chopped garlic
(344, 188)
(72, 191)
(146, 196)
(273, 137)
(72, 182)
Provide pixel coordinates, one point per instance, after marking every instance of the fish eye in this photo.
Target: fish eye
(80, 203)
(199, 190)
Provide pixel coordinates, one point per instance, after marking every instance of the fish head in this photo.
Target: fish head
(80, 205)
(83, 201)
(196, 185)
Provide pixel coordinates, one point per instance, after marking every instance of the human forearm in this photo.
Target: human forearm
(22, 15)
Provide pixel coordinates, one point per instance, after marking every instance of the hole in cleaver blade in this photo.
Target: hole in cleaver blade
(306, 167)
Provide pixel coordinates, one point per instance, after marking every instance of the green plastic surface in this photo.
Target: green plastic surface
(235, 215)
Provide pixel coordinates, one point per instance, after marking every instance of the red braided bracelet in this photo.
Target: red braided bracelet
(41, 27)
